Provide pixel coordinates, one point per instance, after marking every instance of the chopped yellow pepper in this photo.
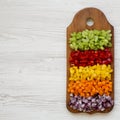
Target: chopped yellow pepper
(99, 72)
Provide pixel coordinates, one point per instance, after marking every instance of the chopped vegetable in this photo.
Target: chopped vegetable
(90, 39)
(99, 72)
(90, 57)
(86, 88)
(95, 103)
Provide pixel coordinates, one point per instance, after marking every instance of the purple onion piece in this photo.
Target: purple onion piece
(108, 105)
(103, 100)
(89, 98)
(108, 98)
(102, 109)
(73, 100)
(93, 100)
(85, 101)
(71, 95)
(80, 102)
(74, 107)
(112, 102)
(89, 104)
(80, 109)
(71, 106)
(98, 101)
(83, 105)
(93, 105)
(103, 104)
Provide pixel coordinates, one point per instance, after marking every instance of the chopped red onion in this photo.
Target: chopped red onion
(95, 103)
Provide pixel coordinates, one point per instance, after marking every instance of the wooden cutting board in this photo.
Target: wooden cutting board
(79, 23)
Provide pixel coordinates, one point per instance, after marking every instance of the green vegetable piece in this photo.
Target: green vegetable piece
(73, 34)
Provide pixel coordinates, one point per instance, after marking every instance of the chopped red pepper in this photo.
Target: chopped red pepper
(91, 57)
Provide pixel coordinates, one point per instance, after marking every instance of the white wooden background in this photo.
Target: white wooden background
(32, 58)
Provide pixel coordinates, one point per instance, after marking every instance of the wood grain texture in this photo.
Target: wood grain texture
(79, 24)
(33, 58)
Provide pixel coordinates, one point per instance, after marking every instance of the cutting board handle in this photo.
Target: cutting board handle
(81, 18)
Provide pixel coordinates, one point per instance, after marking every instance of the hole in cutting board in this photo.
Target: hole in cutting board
(90, 22)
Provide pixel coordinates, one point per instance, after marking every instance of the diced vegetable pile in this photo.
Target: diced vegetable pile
(90, 39)
(90, 73)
